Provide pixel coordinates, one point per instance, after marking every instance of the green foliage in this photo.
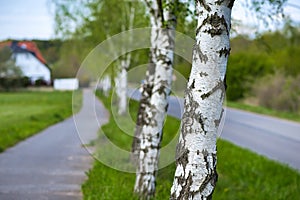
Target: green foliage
(13, 83)
(50, 50)
(72, 53)
(10, 74)
(242, 71)
(23, 114)
(242, 174)
(253, 59)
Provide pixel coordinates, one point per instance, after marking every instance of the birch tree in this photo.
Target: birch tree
(121, 23)
(154, 102)
(125, 63)
(196, 175)
(98, 20)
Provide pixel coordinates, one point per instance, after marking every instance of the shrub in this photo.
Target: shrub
(278, 92)
(243, 70)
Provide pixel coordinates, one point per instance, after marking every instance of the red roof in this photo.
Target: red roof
(26, 45)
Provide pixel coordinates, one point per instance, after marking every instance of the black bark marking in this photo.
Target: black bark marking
(166, 108)
(212, 175)
(161, 12)
(184, 158)
(218, 25)
(202, 74)
(230, 4)
(189, 113)
(145, 150)
(203, 58)
(185, 192)
(204, 5)
(224, 51)
(193, 84)
(219, 2)
(201, 120)
(225, 84)
(217, 122)
(220, 85)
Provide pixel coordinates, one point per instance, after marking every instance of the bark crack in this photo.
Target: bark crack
(220, 85)
(203, 58)
(201, 120)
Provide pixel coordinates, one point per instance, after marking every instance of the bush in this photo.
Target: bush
(278, 92)
(243, 70)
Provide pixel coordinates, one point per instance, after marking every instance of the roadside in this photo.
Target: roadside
(242, 173)
(264, 111)
(52, 164)
(25, 113)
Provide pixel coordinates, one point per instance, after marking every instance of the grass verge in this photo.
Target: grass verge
(264, 111)
(242, 173)
(23, 114)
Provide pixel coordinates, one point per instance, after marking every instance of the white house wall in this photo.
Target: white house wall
(32, 67)
(66, 84)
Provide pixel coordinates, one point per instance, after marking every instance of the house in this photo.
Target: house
(31, 62)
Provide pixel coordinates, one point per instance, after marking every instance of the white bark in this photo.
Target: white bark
(124, 65)
(196, 175)
(105, 85)
(162, 41)
(124, 62)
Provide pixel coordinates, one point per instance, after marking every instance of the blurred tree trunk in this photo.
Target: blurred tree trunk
(123, 84)
(146, 92)
(196, 176)
(125, 63)
(154, 108)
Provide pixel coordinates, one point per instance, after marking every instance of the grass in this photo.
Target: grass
(23, 114)
(293, 116)
(264, 111)
(242, 173)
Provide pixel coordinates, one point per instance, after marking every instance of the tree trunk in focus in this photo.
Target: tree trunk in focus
(195, 175)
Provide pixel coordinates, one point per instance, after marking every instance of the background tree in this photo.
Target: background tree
(10, 74)
(98, 21)
(154, 103)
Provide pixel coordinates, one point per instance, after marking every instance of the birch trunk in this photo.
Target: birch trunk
(105, 85)
(162, 40)
(195, 175)
(146, 92)
(122, 80)
(124, 65)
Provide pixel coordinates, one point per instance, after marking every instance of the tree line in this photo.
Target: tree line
(99, 20)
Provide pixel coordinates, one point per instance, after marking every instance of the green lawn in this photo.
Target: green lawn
(242, 174)
(23, 114)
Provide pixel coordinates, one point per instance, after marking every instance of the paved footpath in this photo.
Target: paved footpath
(52, 164)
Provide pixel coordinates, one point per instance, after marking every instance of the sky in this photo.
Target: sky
(32, 19)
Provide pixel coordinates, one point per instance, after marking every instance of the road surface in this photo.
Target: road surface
(272, 137)
(52, 164)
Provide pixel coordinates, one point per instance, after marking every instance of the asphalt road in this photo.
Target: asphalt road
(51, 165)
(272, 137)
